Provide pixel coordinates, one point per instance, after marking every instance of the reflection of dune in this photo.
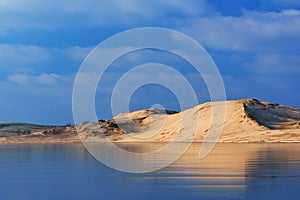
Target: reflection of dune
(238, 168)
(271, 160)
(241, 160)
(224, 160)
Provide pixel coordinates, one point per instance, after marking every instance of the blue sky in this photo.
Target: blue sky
(255, 44)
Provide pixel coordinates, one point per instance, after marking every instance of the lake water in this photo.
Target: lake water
(231, 171)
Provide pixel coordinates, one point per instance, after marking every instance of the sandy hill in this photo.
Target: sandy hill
(17, 129)
(34, 133)
(247, 120)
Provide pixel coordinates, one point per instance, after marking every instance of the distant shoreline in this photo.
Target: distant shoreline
(21, 141)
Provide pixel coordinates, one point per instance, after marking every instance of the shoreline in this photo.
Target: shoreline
(45, 142)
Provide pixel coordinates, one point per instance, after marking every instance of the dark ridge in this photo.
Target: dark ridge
(272, 115)
(17, 129)
(161, 111)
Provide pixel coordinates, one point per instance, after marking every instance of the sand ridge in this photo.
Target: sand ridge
(247, 120)
(240, 121)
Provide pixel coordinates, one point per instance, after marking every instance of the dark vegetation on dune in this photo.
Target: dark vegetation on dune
(272, 115)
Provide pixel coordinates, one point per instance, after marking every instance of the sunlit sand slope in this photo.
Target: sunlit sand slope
(238, 121)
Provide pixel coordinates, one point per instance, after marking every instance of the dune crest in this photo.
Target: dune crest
(237, 121)
(247, 120)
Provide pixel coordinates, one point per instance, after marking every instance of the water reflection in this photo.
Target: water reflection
(231, 171)
(238, 171)
(273, 171)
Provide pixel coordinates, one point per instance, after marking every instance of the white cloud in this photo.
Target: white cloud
(18, 14)
(27, 59)
(76, 53)
(14, 54)
(275, 64)
(18, 78)
(49, 79)
(26, 98)
(253, 31)
(42, 79)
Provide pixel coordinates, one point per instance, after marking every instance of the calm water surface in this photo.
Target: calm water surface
(231, 171)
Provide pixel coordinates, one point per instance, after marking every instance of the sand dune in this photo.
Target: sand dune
(238, 121)
(247, 120)
(17, 129)
(33, 133)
